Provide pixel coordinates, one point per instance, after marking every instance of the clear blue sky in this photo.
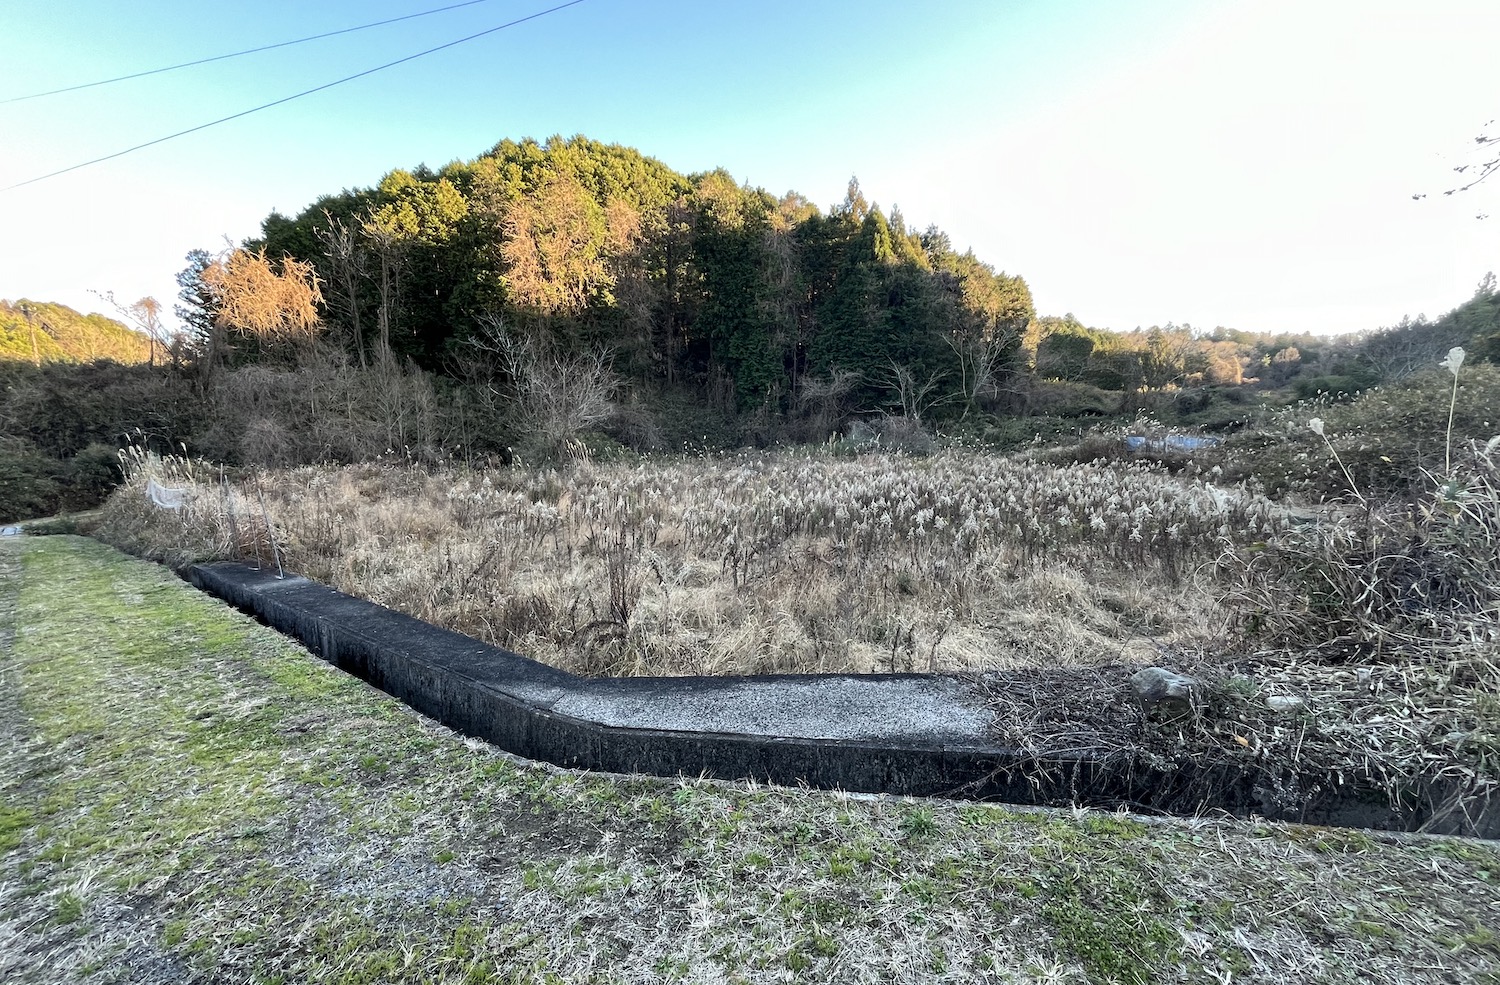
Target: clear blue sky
(1221, 163)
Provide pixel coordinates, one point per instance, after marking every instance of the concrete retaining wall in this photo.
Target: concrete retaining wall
(911, 734)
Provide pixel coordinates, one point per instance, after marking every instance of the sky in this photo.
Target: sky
(1248, 164)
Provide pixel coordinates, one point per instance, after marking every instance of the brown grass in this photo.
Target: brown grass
(748, 564)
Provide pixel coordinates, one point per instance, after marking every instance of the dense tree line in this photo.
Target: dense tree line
(1171, 358)
(743, 297)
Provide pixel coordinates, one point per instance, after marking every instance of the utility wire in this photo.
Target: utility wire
(287, 99)
(237, 54)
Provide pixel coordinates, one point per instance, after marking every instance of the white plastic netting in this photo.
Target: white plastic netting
(166, 497)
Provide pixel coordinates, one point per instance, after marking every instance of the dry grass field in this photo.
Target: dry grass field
(756, 563)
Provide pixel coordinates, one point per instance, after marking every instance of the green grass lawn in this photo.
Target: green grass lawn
(187, 796)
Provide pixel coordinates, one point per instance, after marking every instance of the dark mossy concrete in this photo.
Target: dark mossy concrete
(913, 734)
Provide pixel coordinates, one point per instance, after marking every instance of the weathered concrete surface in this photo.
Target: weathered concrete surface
(914, 734)
(896, 708)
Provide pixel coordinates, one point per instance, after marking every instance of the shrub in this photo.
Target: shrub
(905, 435)
(36, 485)
(29, 485)
(62, 408)
(1336, 387)
(1392, 573)
(634, 426)
(1392, 439)
(1384, 580)
(1057, 398)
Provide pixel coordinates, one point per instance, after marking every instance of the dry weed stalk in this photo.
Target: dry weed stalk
(761, 563)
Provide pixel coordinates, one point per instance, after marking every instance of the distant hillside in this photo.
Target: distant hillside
(63, 335)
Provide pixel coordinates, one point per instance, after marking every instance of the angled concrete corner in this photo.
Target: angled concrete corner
(906, 734)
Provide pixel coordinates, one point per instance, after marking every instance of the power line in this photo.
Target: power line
(287, 99)
(237, 54)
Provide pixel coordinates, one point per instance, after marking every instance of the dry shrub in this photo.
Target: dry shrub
(324, 409)
(1383, 580)
(217, 519)
(906, 434)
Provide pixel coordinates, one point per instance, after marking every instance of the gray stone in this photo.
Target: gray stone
(1159, 689)
(1285, 702)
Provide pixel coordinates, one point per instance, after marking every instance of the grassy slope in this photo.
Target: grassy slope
(186, 796)
(66, 335)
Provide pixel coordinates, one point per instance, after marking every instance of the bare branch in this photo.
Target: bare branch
(556, 396)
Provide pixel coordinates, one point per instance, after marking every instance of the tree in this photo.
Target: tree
(195, 306)
(990, 312)
(350, 263)
(744, 267)
(1163, 358)
(29, 311)
(251, 299)
(385, 238)
(1222, 364)
(555, 248)
(557, 395)
(915, 394)
(1284, 364)
(146, 314)
(1064, 348)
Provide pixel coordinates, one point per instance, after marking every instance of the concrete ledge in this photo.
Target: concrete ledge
(905, 734)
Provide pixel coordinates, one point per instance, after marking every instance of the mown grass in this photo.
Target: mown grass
(186, 796)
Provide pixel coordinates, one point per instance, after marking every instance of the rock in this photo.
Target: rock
(1284, 702)
(1158, 687)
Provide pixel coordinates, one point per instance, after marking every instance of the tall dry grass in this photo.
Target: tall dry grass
(753, 563)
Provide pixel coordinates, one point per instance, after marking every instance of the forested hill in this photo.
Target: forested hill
(57, 333)
(689, 280)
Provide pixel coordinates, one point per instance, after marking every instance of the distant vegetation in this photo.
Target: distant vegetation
(57, 333)
(551, 301)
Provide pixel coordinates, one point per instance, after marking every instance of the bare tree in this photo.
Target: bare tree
(391, 252)
(980, 360)
(915, 396)
(1485, 161)
(145, 315)
(1396, 353)
(557, 396)
(350, 263)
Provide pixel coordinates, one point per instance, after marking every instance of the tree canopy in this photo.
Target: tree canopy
(696, 279)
